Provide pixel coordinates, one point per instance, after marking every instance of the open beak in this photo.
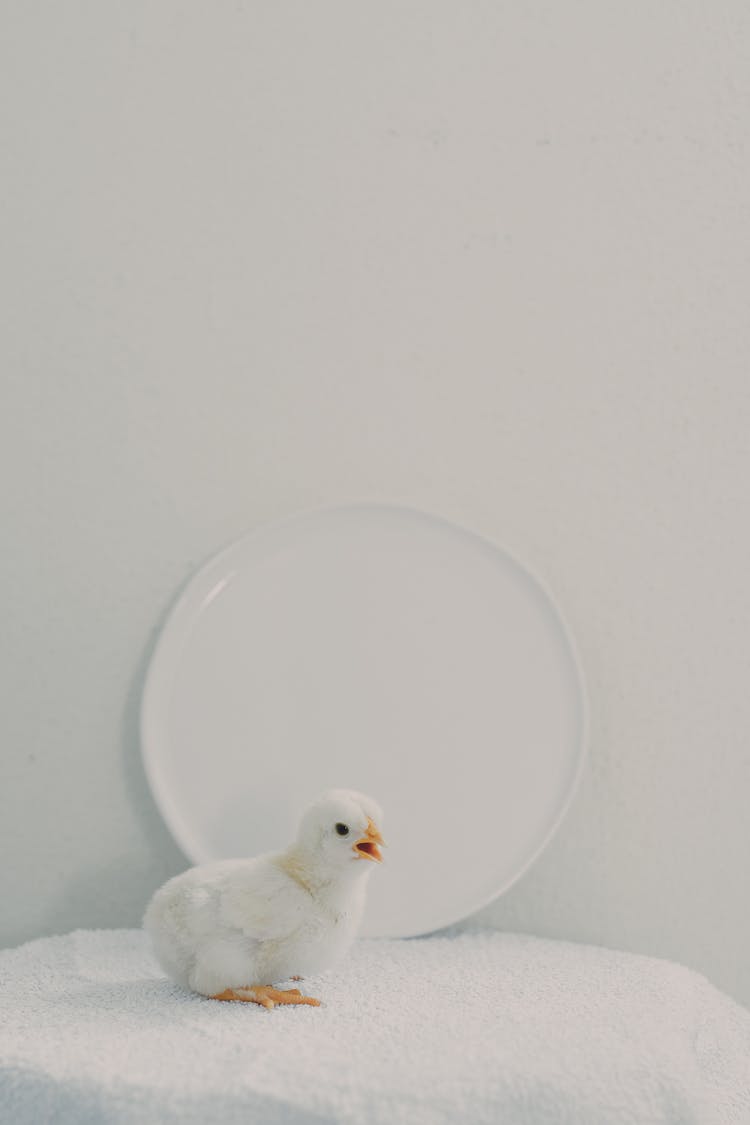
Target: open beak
(367, 846)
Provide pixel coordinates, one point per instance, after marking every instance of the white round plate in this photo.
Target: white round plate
(374, 648)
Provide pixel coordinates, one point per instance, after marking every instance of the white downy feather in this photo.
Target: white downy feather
(240, 922)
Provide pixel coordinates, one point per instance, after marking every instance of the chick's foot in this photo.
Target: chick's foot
(266, 996)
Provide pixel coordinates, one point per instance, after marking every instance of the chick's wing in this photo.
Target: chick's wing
(263, 902)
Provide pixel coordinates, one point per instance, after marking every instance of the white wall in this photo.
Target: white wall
(490, 259)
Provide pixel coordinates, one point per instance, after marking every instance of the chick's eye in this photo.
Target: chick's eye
(342, 829)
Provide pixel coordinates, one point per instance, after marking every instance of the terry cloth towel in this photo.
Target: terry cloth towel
(477, 1027)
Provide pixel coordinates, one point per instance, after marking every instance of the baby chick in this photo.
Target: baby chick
(229, 929)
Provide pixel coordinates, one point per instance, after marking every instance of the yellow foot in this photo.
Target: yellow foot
(266, 996)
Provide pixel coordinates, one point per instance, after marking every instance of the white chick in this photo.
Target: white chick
(230, 929)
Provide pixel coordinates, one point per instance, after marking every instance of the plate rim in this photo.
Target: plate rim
(158, 666)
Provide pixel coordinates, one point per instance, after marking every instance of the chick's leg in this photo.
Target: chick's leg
(266, 996)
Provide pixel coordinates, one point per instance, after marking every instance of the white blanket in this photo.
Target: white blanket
(488, 1027)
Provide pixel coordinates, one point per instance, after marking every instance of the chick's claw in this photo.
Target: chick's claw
(266, 996)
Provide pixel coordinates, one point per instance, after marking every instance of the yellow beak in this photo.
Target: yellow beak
(367, 846)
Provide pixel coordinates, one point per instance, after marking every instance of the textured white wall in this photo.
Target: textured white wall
(488, 259)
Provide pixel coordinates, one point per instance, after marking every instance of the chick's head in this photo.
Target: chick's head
(342, 828)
